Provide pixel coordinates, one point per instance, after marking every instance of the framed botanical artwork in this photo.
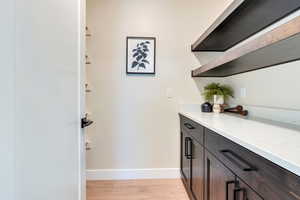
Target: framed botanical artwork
(141, 53)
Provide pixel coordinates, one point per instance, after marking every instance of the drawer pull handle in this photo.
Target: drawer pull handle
(185, 146)
(236, 193)
(238, 161)
(228, 183)
(189, 148)
(189, 126)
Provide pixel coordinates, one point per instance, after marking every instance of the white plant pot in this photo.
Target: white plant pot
(218, 99)
(217, 108)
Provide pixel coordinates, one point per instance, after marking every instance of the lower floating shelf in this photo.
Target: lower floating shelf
(275, 47)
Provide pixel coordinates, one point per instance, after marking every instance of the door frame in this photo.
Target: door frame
(82, 104)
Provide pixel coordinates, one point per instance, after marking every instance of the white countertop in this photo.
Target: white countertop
(275, 142)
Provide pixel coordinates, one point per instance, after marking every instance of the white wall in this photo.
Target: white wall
(136, 124)
(273, 87)
(7, 67)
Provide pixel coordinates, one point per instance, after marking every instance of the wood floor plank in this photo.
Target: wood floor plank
(162, 189)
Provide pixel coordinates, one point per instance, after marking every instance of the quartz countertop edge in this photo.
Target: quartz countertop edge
(277, 144)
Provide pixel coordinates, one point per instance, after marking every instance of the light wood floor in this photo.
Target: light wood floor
(170, 189)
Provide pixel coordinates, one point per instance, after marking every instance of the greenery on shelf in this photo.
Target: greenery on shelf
(217, 89)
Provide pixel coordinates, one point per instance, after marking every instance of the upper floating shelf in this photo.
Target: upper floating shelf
(242, 19)
(278, 46)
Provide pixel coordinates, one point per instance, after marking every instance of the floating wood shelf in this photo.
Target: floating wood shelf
(278, 46)
(242, 19)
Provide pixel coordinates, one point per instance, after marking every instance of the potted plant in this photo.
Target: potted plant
(217, 93)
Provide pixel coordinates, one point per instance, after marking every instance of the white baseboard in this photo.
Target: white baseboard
(127, 174)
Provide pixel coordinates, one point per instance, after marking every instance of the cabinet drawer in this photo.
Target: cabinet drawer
(193, 128)
(268, 179)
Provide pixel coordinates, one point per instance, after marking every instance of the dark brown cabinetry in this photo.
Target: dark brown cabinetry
(219, 181)
(244, 192)
(222, 184)
(185, 158)
(197, 178)
(215, 168)
(193, 129)
(192, 165)
(266, 178)
(192, 158)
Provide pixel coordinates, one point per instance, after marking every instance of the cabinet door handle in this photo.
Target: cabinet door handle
(185, 146)
(237, 160)
(236, 193)
(189, 148)
(228, 183)
(189, 126)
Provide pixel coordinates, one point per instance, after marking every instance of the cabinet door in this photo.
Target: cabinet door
(198, 164)
(186, 158)
(244, 192)
(220, 182)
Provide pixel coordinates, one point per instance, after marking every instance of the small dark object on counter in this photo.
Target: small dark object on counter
(206, 107)
(237, 110)
(243, 112)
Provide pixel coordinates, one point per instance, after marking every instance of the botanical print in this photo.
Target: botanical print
(141, 55)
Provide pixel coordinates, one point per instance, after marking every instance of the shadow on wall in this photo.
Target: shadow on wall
(203, 58)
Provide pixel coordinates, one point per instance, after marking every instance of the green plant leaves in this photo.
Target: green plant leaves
(217, 89)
